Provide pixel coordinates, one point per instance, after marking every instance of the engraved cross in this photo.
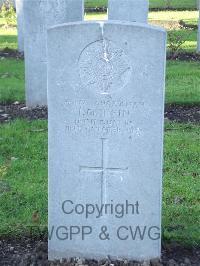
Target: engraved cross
(103, 169)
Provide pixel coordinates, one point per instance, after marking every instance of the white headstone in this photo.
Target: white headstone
(38, 16)
(128, 10)
(106, 115)
(20, 24)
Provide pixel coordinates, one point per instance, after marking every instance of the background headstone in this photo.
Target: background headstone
(106, 116)
(128, 10)
(20, 24)
(38, 16)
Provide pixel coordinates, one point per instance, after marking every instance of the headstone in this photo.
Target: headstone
(128, 10)
(20, 24)
(106, 115)
(38, 16)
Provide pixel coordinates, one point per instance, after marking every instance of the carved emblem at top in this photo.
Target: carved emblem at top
(104, 67)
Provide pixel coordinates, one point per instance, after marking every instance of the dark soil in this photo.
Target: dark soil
(183, 56)
(10, 53)
(28, 251)
(167, 8)
(177, 113)
(18, 110)
(183, 113)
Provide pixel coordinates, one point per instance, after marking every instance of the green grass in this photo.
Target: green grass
(96, 3)
(189, 37)
(23, 167)
(181, 206)
(26, 175)
(189, 17)
(183, 82)
(8, 38)
(182, 86)
(182, 4)
(12, 86)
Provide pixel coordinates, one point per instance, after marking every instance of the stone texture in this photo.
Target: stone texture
(38, 16)
(128, 10)
(20, 24)
(106, 115)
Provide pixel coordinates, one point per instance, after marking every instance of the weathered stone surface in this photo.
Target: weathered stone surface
(20, 24)
(38, 16)
(105, 102)
(128, 10)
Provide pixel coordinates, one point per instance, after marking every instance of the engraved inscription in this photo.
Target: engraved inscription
(105, 117)
(104, 67)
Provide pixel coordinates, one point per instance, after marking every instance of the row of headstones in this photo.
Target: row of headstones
(34, 17)
(105, 121)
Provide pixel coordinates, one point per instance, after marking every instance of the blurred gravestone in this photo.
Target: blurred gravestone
(106, 115)
(128, 10)
(20, 24)
(38, 16)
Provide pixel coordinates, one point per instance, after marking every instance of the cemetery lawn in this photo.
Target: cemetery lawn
(8, 38)
(12, 86)
(23, 179)
(190, 17)
(183, 4)
(183, 82)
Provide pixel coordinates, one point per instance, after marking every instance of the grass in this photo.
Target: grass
(12, 86)
(8, 38)
(189, 37)
(23, 167)
(181, 207)
(187, 16)
(182, 83)
(183, 4)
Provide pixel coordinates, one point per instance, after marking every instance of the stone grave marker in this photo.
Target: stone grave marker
(38, 16)
(128, 10)
(106, 116)
(20, 24)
